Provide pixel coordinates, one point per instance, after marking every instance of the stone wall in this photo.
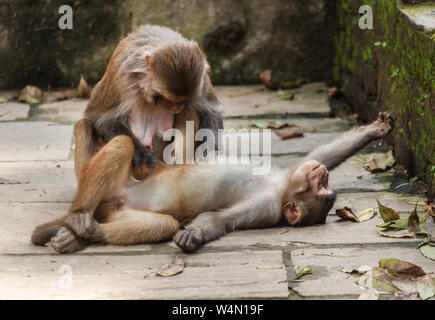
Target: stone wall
(392, 67)
(240, 38)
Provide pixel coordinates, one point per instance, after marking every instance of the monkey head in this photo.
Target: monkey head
(308, 197)
(177, 72)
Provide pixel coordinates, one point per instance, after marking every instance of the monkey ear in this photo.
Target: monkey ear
(149, 61)
(292, 213)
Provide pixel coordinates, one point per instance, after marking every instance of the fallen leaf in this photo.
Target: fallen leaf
(83, 90)
(414, 221)
(406, 295)
(2, 100)
(426, 286)
(387, 214)
(45, 146)
(268, 267)
(291, 84)
(401, 269)
(302, 271)
(371, 294)
(377, 279)
(397, 234)
(428, 251)
(282, 95)
(401, 224)
(287, 134)
(266, 78)
(381, 163)
(334, 92)
(361, 270)
(343, 213)
(30, 94)
(361, 216)
(65, 94)
(275, 125)
(169, 270)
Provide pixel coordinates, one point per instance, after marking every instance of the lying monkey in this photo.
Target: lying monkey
(207, 200)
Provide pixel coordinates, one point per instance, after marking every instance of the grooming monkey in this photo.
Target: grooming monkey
(155, 80)
(195, 204)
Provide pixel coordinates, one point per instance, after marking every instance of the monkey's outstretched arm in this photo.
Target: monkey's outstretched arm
(259, 210)
(334, 153)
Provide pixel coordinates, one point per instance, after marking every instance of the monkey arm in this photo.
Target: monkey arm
(334, 153)
(260, 210)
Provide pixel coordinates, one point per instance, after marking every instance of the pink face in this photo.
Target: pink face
(310, 197)
(173, 104)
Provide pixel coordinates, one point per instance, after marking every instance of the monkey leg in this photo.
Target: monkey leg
(102, 178)
(130, 226)
(85, 146)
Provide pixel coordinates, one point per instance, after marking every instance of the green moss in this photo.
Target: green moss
(403, 61)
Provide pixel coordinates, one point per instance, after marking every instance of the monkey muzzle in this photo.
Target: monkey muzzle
(176, 107)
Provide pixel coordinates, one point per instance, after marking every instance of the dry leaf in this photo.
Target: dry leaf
(334, 92)
(169, 270)
(343, 213)
(397, 234)
(377, 279)
(274, 125)
(31, 95)
(45, 146)
(381, 164)
(387, 214)
(428, 251)
(266, 78)
(371, 294)
(83, 90)
(287, 134)
(401, 269)
(361, 270)
(426, 287)
(414, 221)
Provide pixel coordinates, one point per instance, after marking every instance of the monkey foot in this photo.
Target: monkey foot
(188, 239)
(82, 224)
(65, 241)
(382, 126)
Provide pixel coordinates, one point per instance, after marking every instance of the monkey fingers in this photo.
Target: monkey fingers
(188, 239)
(382, 126)
(66, 241)
(143, 156)
(82, 224)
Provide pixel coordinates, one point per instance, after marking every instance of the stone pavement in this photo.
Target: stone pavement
(38, 183)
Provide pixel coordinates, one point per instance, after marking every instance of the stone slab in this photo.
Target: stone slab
(29, 141)
(297, 124)
(19, 219)
(256, 101)
(10, 111)
(63, 111)
(38, 181)
(226, 275)
(328, 280)
(297, 146)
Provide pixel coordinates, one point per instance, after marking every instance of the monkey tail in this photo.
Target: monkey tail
(44, 232)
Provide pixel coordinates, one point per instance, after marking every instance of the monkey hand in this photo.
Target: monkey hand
(65, 241)
(83, 224)
(382, 126)
(188, 239)
(143, 156)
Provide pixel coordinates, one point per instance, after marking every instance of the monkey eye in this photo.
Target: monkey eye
(158, 98)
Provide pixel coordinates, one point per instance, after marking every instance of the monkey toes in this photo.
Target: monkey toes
(82, 224)
(188, 239)
(65, 241)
